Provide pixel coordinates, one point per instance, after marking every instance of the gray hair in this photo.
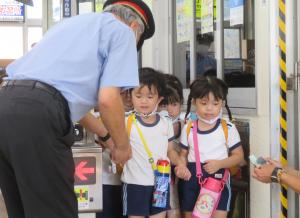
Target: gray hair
(126, 14)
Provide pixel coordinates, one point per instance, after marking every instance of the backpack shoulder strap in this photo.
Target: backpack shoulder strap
(129, 123)
(225, 130)
(188, 128)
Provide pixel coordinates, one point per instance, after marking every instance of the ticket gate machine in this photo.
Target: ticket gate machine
(88, 171)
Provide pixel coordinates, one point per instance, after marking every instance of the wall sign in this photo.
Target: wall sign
(67, 8)
(11, 11)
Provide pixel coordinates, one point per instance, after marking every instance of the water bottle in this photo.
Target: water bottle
(161, 184)
(208, 198)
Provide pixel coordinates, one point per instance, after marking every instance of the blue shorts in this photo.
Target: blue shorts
(137, 201)
(189, 190)
(112, 202)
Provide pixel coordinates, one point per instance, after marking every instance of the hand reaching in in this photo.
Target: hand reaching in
(121, 155)
(274, 162)
(182, 172)
(263, 173)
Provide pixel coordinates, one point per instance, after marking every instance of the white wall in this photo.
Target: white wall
(260, 124)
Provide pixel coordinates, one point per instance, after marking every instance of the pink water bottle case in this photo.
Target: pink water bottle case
(211, 188)
(208, 198)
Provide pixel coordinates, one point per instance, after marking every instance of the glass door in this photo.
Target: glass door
(239, 55)
(217, 38)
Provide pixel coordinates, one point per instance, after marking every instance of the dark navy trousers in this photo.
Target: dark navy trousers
(36, 163)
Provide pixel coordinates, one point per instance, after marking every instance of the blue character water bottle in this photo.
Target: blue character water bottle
(161, 184)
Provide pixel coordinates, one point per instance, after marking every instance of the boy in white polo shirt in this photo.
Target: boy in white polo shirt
(157, 131)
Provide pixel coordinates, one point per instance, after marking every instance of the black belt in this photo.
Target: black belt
(33, 84)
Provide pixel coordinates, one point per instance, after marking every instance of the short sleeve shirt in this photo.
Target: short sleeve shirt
(211, 143)
(138, 170)
(81, 55)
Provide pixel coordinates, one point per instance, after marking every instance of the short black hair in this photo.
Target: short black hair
(201, 88)
(174, 90)
(150, 77)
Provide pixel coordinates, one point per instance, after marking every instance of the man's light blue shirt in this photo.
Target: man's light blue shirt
(79, 56)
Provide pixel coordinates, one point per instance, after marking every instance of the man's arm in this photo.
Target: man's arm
(112, 115)
(91, 123)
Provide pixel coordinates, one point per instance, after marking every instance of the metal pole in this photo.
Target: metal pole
(193, 45)
(220, 39)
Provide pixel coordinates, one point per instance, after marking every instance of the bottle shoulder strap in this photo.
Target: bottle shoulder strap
(131, 119)
(197, 153)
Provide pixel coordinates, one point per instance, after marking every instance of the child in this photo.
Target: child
(173, 101)
(208, 94)
(148, 132)
(112, 189)
(172, 104)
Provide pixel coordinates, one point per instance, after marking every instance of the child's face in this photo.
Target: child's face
(173, 109)
(208, 107)
(145, 100)
(126, 98)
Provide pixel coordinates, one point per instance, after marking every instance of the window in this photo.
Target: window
(34, 35)
(99, 5)
(219, 40)
(34, 12)
(55, 12)
(16, 38)
(239, 49)
(11, 42)
(86, 6)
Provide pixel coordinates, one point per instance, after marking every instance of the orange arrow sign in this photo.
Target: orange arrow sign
(80, 170)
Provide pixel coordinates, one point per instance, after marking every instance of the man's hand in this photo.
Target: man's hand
(112, 115)
(109, 144)
(120, 155)
(274, 162)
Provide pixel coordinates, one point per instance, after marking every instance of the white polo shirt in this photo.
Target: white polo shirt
(138, 170)
(211, 143)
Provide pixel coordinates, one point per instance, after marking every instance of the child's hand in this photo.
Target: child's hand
(212, 166)
(182, 172)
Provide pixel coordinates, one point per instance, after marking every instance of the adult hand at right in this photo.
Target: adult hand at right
(274, 162)
(263, 173)
(120, 155)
